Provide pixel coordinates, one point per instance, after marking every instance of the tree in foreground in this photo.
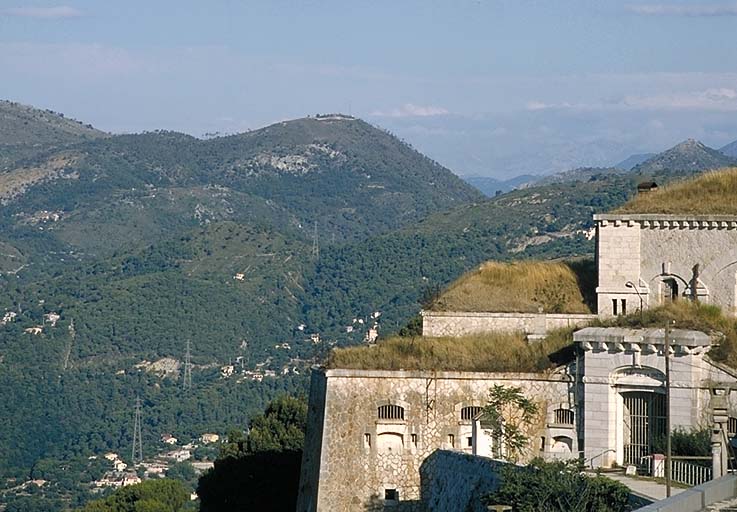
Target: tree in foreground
(507, 417)
(260, 470)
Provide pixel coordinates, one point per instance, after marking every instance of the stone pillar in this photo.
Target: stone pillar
(720, 419)
(716, 454)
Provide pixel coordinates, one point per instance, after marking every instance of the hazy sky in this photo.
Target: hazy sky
(488, 87)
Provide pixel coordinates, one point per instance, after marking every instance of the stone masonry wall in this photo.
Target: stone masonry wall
(453, 481)
(453, 324)
(310, 468)
(362, 456)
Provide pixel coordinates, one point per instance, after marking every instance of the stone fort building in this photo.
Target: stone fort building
(370, 431)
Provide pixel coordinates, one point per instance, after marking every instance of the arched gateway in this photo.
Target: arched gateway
(623, 390)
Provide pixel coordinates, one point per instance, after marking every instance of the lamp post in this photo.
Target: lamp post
(630, 284)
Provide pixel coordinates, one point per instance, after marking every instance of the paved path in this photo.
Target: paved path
(648, 488)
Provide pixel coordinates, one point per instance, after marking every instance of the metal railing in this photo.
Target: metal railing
(688, 473)
(684, 470)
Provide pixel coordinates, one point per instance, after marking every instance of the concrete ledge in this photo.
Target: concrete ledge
(697, 498)
(490, 314)
(662, 217)
(424, 374)
(718, 490)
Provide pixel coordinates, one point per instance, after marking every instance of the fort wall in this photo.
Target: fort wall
(366, 460)
(665, 257)
(458, 323)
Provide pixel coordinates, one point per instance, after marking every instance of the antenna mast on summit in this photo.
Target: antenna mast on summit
(315, 244)
(187, 380)
(137, 452)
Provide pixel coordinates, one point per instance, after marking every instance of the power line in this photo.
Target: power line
(187, 380)
(68, 351)
(315, 244)
(137, 452)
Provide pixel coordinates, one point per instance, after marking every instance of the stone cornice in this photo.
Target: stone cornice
(660, 221)
(663, 217)
(647, 340)
(446, 375)
(490, 314)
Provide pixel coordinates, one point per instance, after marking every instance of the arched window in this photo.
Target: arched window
(563, 416)
(669, 291)
(391, 412)
(470, 412)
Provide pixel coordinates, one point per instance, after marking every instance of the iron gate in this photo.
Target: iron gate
(644, 423)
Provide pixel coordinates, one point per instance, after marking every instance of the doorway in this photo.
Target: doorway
(644, 424)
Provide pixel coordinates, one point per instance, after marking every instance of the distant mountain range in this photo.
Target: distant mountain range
(730, 149)
(681, 160)
(685, 158)
(634, 160)
(491, 187)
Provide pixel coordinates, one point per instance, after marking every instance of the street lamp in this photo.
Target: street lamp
(630, 284)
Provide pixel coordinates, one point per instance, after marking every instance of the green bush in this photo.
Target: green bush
(557, 487)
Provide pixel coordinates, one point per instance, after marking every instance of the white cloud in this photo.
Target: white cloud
(712, 99)
(61, 11)
(728, 9)
(411, 110)
(723, 98)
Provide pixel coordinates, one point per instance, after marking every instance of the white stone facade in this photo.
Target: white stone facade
(616, 363)
(652, 259)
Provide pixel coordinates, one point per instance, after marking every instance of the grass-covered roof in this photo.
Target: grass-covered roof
(494, 352)
(510, 352)
(523, 287)
(711, 193)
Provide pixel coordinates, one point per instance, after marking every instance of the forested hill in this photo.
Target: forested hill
(26, 131)
(340, 173)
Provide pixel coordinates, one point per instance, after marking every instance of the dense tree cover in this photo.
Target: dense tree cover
(557, 487)
(164, 495)
(260, 470)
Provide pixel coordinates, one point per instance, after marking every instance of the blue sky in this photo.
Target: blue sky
(487, 87)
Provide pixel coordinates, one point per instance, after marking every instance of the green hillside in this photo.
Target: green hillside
(26, 131)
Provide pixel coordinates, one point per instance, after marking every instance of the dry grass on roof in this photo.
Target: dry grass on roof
(711, 193)
(497, 352)
(523, 287)
(685, 314)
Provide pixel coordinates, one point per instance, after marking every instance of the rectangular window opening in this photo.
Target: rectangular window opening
(614, 307)
(542, 443)
(451, 440)
(413, 437)
(367, 440)
(391, 495)
(624, 306)
(469, 442)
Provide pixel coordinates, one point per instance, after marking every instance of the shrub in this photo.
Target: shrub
(557, 487)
